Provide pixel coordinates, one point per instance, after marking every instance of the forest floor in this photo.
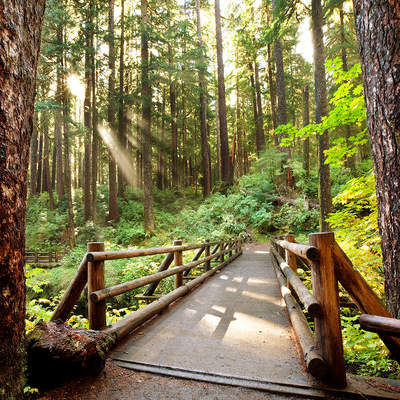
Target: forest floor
(116, 383)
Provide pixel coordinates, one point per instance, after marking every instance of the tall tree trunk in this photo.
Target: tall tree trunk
(239, 158)
(350, 161)
(321, 110)
(121, 103)
(40, 165)
(67, 161)
(272, 93)
(34, 155)
(149, 224)
(87, 116)
(260, 138)
(160, 167)
(379, 45)
(254, 102)
(46, 161)
(95, 122)
(20, 29)
(112, 168)
(306, 121)
(205, 151)
(53, 167)
(174, 131)
(226, 162)
(58, 120)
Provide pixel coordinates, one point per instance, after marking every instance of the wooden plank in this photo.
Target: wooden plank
(311, 304)
(375, 323)
(96, 281)
(327, 326)
(124, 326)
(178, 281)
(315, 363)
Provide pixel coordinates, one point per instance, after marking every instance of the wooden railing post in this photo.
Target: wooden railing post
(327, 326)
(36, 257)
(56, 255)
(290, 257)
(221, 248)
(96, 311)
(230, 248)
(207, 254)
(178, 259)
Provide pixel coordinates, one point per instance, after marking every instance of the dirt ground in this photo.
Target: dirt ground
(115, 383)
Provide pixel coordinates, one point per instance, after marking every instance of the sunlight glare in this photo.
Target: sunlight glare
(121, 156)
(76, 86)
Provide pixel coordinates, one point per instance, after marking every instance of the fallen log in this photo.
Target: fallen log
(57, 353)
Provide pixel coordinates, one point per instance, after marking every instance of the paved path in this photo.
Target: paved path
(235, 325)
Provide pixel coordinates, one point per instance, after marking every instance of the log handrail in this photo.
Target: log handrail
(310, 253)
(380, 325)
(131, 253)
(311, 304)
(116, 290)
(330, 265)
(96, 259)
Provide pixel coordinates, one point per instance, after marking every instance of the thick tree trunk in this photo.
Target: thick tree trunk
(95, 122)
(174, 131)
(226, 162)
(46, 161)
(58, 121)
(87, 118)
(378, 33)
(205, 151)
(254, 102)
(34, 155)
(121, 103)
(39, 178)
(321, 110)
(20, 28)
(260, 138)
(149, 224)
(306, 121)
(112, 168)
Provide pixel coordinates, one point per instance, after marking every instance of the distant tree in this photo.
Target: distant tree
(20, 29)
(378, 33)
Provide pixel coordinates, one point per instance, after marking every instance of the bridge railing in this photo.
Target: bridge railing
(323, 351)
(42, 258)
(92, 272)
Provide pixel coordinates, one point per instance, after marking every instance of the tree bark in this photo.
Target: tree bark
(149, 224)
(95, 134)
(321, 105)
(205, 151)
(378, 33)
(121, 102)
(112, 168)
(226, 162)
(39, 179)
(174, 131)
(34, 155)
(260, 138)
(87, 115)
(20, 29)
(58, 120)
(306, 121)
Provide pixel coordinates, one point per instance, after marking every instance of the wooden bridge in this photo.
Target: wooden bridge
(245, 326)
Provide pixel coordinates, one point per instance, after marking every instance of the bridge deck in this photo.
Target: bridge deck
(233, 330)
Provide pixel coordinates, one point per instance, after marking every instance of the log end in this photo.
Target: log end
(314, 309)
(313, 254)
(316, 365)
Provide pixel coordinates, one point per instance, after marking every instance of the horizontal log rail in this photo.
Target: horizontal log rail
(131, 253)
(143, 281)
(381, 325)
(312, 306)
(91, 273)
(329, 265)
(41, 258)
(308, 252)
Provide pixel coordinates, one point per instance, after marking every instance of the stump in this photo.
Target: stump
(57, 353)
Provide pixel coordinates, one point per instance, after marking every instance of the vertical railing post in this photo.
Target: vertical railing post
(178, 259)
(207, 254)
(222, 248)
(327, 326)
(290, 258)
(230, 248)
(56, 256)
(96, 311)
(36, 257)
